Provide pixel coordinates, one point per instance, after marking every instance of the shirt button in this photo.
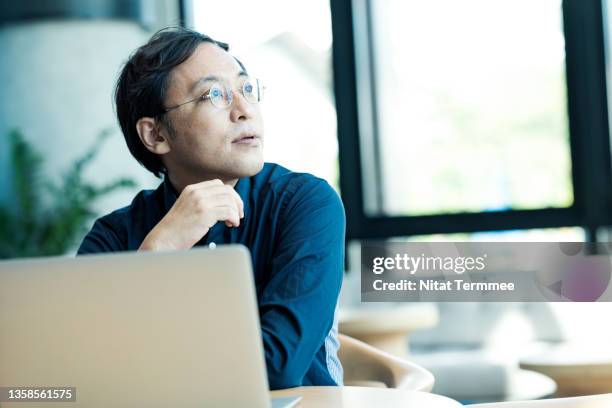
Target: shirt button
(212, 245)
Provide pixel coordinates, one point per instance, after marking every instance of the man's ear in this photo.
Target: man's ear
(151, 136)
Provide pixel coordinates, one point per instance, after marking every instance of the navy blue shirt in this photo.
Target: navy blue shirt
(294, 226)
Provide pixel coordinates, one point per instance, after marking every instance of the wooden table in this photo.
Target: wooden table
(362, 397)
(521, 385)
(387, 328)
(578, 369)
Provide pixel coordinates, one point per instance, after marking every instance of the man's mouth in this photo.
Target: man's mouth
(246, 138)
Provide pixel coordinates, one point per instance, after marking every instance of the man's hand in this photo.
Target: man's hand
(197, 209)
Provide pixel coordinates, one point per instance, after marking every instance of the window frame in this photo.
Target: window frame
(589, 142)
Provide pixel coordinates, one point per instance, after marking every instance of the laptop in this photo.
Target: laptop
(152, 329)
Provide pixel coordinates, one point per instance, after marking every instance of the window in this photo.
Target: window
(471, 104)
(458, 117)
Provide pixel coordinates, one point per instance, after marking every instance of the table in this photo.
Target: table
(521, 385)
(387, 328)
(578, 369)
(362, 397)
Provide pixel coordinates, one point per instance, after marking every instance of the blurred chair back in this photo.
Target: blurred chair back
(365, 365)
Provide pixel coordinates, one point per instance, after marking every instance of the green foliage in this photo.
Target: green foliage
(47, 218)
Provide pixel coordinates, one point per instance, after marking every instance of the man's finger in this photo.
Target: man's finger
(228, 213)
(239, 202)
(219, 189)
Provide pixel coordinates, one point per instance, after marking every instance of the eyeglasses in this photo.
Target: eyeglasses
(222, 95)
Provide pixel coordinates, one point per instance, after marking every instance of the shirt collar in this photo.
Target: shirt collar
(243, 188)
(170, 194)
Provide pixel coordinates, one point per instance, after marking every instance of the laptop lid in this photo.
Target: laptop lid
(135, 329)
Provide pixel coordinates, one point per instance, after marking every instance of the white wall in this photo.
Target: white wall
(57, 84)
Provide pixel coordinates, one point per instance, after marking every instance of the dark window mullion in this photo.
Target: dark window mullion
(588, 111)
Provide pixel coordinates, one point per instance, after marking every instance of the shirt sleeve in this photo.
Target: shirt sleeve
(298, 302)
(101, 238)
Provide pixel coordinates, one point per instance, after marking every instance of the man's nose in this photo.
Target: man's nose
(241, 109)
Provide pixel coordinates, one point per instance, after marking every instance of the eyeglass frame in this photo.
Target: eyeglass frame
(206, 95)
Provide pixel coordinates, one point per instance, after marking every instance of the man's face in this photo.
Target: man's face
(208, 141)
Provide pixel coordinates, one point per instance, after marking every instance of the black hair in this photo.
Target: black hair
(143, 82)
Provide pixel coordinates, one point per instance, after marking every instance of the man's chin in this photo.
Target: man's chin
(248, 168)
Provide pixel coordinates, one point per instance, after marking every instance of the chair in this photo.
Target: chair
(365, 365)
(589, 401)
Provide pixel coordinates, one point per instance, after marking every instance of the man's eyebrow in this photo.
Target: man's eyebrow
(203, 80)
(209, 78)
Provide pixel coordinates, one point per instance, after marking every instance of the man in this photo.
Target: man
(189, 112)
